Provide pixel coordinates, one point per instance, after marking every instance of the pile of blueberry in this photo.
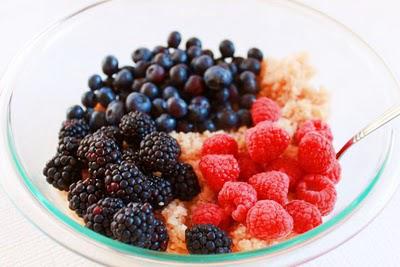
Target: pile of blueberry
(187, 90)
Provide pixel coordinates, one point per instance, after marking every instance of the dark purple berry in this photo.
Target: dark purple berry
(234, 95)
(169, 92)
(114, 112)
(138, 102)
(250, 64)
(199, 109)
(194, 41)
(179, 56)
(248, 82)
(104, 96)
(155, 73)
(159, 49)
(178, 74)
(208, 52)
(123, 80)
(110, 65)
(75, 112)
(141, 54)
(227, 48)
(221, 96)
(207, 125)
(193, 52)
(227, 119)
(201, 64)
(185, 127)
(174, 39)
(88, 99)
(166, 123)
(88, 114)
(97, 120)
(177, 107)
(137, 84)
(245, 117)
(255, 53)
(159, 107)
(95, 82)
(246, 101)
(149, 89)
(195, 85)
(163, 59)
(217, 78)
(141, 68)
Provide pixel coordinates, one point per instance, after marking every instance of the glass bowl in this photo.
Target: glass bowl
(51, 74)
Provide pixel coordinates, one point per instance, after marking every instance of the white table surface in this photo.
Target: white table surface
(378, 22)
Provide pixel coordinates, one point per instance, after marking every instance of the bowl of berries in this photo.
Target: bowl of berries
(199, 133)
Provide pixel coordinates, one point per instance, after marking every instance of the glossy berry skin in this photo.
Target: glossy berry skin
(227, 48)
(104, 96)
(177, 107)
(222, 95)
(149, 89)
(179, 56)
(217, 78)
(155, 73)
(201, 63)
(174, 39)
(227, 119)
(234, 94)
(88, 99)
(141, 54)
(75, 112)
(255, 53)
(163, 59)
(169, 92)
(185, 127)
(95, 82)
(244, 117)
(159, 49)
(166, 123)
(141, 68)
(138, 102)
(208, 52)
(114, 112)
(251, 64)
(199, 109)
(110, 65)
(97, 120)
(178, 74)
(247, 100)
(194, 41)
(193, 52)
(248, 82)
(88, 114)
(123, 80)
(207, 125)
(159, 107)
(195, 85)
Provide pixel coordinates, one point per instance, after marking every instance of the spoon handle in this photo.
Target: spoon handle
(389, 115)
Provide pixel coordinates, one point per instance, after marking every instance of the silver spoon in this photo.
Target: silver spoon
(389, 115)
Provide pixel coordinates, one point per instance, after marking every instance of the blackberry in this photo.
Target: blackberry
(127, 182)
(159, 151)
(68, 145)
(207, 239)
(62, 170)
(137, 225)
(161, 192)
(84, 193)
(73, 128)
(98, 216)
(184, 181)
(135, 126)
(112, 132)
(130, 155)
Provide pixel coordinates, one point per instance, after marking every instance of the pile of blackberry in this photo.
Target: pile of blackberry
(187, 89)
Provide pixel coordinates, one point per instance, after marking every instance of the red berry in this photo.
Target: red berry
(273, 185)
(247, 166)
(266, 142)
(265, 109)
(289, 166)
(236, 198)
(316, 153)
(317, 190)
(207, 213)
(305, 215)
(313, 126)
(218, 169)
(220, 144)
(268, 220)
(334, 172)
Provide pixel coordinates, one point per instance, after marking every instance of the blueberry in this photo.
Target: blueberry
(227, 119)
(255, 53)
(221, 96)
(97, 120)
(174, 39)
(194, 41)
(104, 96)
(159, 107)
(123, 95)
(150, 90)
(217, 77)
(110, 65)
(234, 95)
(108, 82)
(248, 82)
(155, 73)
(179, 56)
(140, 68)
(159, 49)
(137, 101)
(95, 82)
(163, 59)
(169, 92)
(233, 68)
(193, 52)
(114, 112)
(246, 101)
(137, 84)
(88, 114)
(185, 127)
(244, 117)
(201, 64)
(75, 112)
(141, 54)
(199, 109)
(178, 74)
(250, 64)
(195, 85)
(177, 107)
(166, 123)
(130, 68)
(88, 99)
(207, 125)
(237, 61)
(208, 52)
(227, 48)
(123, 80)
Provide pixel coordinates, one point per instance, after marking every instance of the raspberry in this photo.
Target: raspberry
(207, 213)
(218, 169)
(289, 166)
(313, 126)
(268, 220)
(237, 198)
(220, 144)
(265, 109)
(247, 166)
(316, 153)
(305, 215)
(317, 190)
(273, 185)
(266, 142)
(334, 172)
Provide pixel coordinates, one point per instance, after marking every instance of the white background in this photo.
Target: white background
(378, 22)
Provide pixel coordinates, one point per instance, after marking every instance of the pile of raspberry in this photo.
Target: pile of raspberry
(273, 194)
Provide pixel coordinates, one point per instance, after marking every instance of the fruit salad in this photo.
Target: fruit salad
(194, 151)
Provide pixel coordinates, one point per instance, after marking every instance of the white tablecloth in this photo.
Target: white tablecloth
(21, 244)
